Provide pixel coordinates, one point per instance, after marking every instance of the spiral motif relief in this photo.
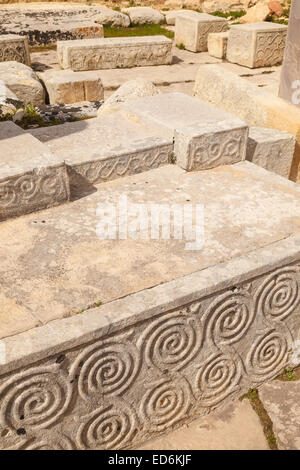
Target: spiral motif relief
(217, 379)
(60, 443)
(108, 427)
(34, 399)
(166, 403)
(106, 368)
(171, 341)
(267, 356)
(229, 317)
(279, 294)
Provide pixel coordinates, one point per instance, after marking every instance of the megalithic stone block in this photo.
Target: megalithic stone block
(14, 47)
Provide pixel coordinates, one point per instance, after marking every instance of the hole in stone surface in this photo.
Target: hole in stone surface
(60, 358)
(21, 431)
(21, 417)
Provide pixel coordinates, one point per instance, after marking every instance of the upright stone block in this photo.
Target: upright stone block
(14, 47)
(271, 149)
(256, 44)
(204, 146)
(217, 44)
(66, 86)
(111, 53)
(31, 176)
(192, 29)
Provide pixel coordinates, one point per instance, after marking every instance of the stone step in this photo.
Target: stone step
(31, 176)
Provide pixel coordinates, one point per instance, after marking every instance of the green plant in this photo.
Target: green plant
(181, 46)
(137, 30)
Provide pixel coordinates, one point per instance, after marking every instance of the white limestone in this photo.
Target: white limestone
(14, 48)
(113, 18)
(192, 29)
(109, 53)
(271, 149)
(143, 15)
(256, 44)
(22, 81)
(217, 44)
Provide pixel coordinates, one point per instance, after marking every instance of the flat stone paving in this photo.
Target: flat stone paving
(53, 264)
(224, 429)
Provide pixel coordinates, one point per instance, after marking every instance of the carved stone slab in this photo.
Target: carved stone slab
(271, 149)
(14, 48)
(200, 147)
(217, 44)
(192, 29)
(31, 176)
(256, 44)
(111, 53)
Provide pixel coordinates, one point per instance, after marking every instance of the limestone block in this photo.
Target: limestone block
(31, 176)
(259, 12)
(66, 86)
(113, 18)
(172, 15)
(22, 81)
(14, 48)
(118, 52)
(204, 146)
(128, 91)
(192, 29)
(217, 44)
(144, 15)
(256, 44)
(271, 149)
(8, 101)
(238, 96)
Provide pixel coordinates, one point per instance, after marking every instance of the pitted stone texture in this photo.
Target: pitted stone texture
(130, 90)
(217, 44)
(14, 48)
(66, 86)
(99, 150)
(192, 29)
(113, 18)
(238, 96)
(282, 403)
(256, 44)
(22, 81)
(144, 15)
(110, 53)
(271, 149)
(200, 147)
(32, 177)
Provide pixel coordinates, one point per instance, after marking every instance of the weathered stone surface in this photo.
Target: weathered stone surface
(276, 8)
(238, 96)
(271, 149)
(8, 100)
(144, 15)
(133, 336)
(217, 44)
(172, 15)
(192, 29)
(282, 403)
(221, 430)
(259, 12)
(32, 177)
(22, 81)
(69, 112)
(109, 53)
(66, 86)
(113, 18)
(128, 91)
(204, 146)
(257, 44)
(14, 48)
(106, 148)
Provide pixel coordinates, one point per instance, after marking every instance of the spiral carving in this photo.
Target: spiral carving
(217, 379)
(60, 443)
(229, 317)
(106, 368)
(267, 356)
(171, 341)
(108, 427)
(166, 403)
(279, 294)
(34, 399)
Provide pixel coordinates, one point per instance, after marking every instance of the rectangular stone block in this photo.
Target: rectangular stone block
(14, 47)
(110, 53)
(271, 149)
(31, 176)
(256, 44)
(66, 86)
(236, 95)
(192, 29)
(204, 146)
(217, 44)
